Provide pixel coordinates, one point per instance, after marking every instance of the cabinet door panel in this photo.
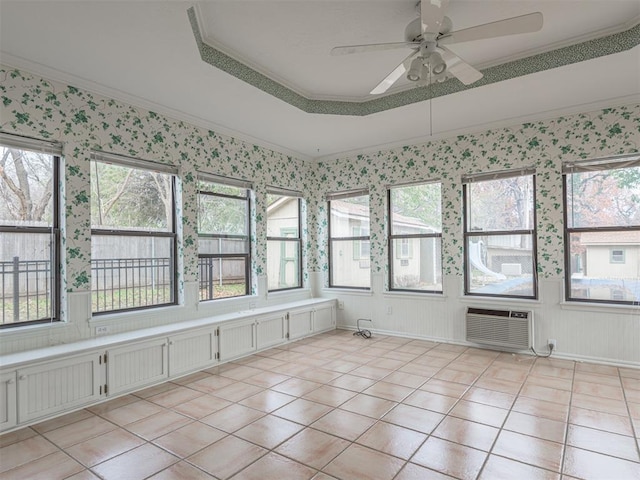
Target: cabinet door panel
(58, 386)
(271, 331)
(193, 350)
(8, 393)
(300, 323)
(237, 339)
(324, 319)
(134, 366)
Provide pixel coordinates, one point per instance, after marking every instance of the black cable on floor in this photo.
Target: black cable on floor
(364, 333)
(543, 356)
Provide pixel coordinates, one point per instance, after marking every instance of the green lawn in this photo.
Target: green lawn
(37, 309)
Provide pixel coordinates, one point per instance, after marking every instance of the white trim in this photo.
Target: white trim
(132, 162)
(415, 295)
(346, 194)
(506, 301)
(413, 184)
(498, 175)
(283, 192)
(593, 307)
(561, 356)
(629, 160)
(222, 180)
(366, 292)
(32, 144)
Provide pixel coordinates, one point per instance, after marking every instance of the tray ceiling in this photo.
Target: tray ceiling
(145, 53)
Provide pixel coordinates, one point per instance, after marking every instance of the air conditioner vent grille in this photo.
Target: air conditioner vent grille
(500, 328)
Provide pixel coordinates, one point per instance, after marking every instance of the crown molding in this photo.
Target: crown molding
(564, 55)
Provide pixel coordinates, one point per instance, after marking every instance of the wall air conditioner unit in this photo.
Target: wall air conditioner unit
(500, 328)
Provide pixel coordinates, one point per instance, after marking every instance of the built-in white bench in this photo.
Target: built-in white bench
(43, 383)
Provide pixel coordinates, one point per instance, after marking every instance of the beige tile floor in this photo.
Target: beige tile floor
(339, 406)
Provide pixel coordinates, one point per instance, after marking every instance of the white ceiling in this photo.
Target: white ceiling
(144, 52)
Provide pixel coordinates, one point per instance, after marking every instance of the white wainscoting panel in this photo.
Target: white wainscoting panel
(51, 387)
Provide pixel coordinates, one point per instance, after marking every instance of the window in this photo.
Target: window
(602, 230)
(284, 243)
(133, 240)
(349, 243)
(361, 248)
(617, 256)
(415, 237)
(223, 237)
(500, 235)
(29, 231)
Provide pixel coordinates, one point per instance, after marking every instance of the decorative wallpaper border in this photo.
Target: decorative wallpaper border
(579, 52)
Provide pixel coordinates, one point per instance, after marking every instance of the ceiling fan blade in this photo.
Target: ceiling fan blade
(459, 68)
(431, 14)
(372, 47)
(390, 79)
(531, 22)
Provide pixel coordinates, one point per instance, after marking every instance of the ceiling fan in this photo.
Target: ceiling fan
(428, 36)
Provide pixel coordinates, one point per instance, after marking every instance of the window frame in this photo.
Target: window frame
(223, 181)
(297, 240)
(602, 164)
(332, 239)
(397, 253)
(135, 163)
(55, 151)
(615, 258)
(467, 233)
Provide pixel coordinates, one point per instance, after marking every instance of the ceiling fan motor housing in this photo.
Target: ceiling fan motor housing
(413, 31)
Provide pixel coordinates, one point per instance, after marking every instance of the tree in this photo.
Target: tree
(26, 181)
(224, 211)
(423, 202)
(604, 198)
(124, 197)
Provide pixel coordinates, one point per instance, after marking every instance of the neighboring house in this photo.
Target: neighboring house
(601, 259)
(282, 221)
(415, 264)
(606, 270)
(510, 255)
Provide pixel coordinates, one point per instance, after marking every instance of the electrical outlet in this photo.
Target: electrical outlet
(103, 330)
(340, 304)
(551, 343)
(389, 310)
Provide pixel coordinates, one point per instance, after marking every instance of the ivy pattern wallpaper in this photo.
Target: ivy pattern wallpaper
(544, 145)
(84, 121)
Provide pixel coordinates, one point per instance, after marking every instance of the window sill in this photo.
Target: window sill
(417, 295)
(600, 308)
(353, 291)
(107, 318)
(246, 302)
(507, 302)
(28, 330)
(288, 292)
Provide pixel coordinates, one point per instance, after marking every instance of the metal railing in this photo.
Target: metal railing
(25, 290)
(221, 277)
(128, 283)
(116, 284)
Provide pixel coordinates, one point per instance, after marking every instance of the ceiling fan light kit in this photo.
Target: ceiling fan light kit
(414, 74)
(427, 37)
(438, 65)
